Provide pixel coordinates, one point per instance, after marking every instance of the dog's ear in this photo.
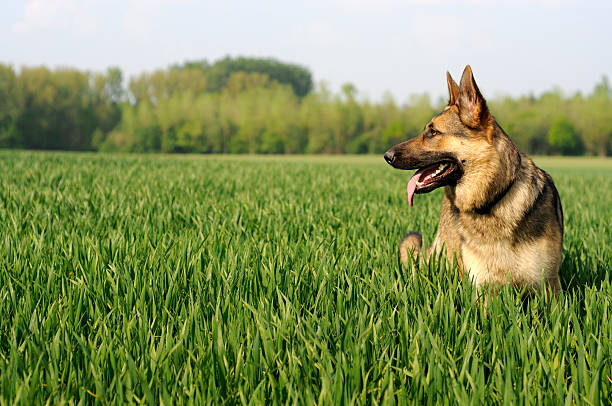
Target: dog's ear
(473, 109)
(453, 89)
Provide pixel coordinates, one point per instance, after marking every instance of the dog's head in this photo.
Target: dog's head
(454, 144)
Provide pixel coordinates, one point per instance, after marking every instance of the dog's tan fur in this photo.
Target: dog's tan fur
(503, 216)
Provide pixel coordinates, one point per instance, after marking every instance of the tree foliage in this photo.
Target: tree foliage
(562, 137)
(219, 73)
(247, 105)
(61, 109)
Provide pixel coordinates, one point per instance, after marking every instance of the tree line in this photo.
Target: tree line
(257, 105)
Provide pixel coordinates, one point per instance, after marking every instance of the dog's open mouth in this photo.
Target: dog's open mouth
(433, 176)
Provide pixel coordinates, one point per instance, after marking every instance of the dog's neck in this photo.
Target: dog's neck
(481, 189)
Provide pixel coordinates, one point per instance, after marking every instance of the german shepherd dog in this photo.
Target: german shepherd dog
(501, 214)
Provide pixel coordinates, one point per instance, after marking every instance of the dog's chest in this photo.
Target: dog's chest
(487, 262)
(500, 261)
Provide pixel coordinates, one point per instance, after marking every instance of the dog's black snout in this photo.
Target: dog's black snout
(390, 156)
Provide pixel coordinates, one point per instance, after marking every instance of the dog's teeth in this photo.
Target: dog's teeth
(440, 169)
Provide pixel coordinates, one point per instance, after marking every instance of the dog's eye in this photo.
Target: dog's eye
(435, 132)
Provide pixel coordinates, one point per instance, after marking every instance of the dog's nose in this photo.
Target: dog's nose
(389, 156)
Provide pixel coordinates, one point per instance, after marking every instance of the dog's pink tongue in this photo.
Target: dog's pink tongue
(412, 187)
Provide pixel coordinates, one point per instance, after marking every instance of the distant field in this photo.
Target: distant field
(242, 279)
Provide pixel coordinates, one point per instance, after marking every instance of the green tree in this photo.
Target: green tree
(163, 84)
(259, 105)
(562, 137)
(593, 118)
(298, 77)
(10, 106)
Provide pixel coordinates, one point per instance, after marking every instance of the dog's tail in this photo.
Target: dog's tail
(410, 246)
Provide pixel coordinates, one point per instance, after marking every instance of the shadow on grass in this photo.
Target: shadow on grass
(581, 269)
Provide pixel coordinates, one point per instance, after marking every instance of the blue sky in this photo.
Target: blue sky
(405, 47)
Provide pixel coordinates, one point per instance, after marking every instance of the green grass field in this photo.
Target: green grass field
(170, 279)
